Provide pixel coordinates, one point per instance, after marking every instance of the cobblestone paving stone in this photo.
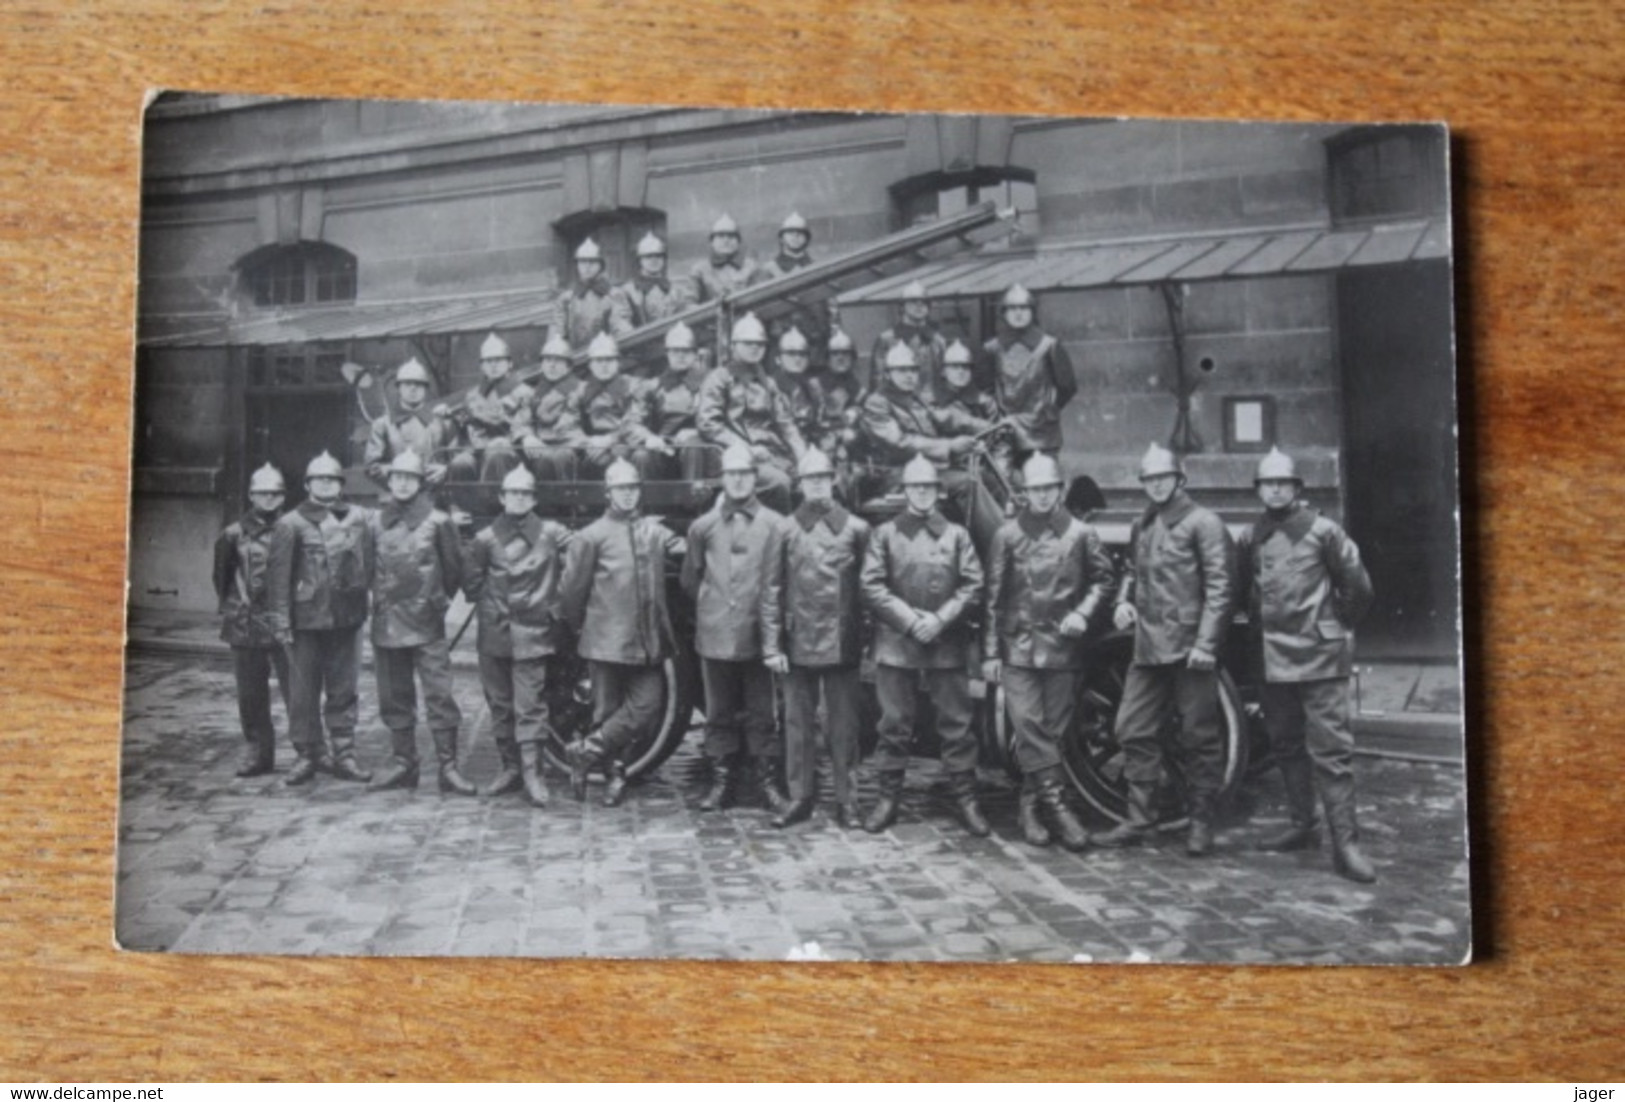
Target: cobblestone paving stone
(209, 863)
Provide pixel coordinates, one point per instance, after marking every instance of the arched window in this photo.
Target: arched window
(617, 233)
(936, 195)
(1386, 172)
(306, 273)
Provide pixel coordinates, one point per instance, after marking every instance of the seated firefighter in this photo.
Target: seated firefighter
(411, 426)
(674, 399)
(484, 427)
(740, 404)
(544, 425)
(611, 414)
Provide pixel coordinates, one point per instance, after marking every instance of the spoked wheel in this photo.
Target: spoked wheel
(1094, 761)
(570, 713)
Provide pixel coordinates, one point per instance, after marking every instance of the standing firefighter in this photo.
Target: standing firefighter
(920, 577)
(1046, 576)
(728, 268)
(320, 569)
(614, 595)
(1031, 376)
(727, 549)
(1307, 589)
(513, 581)
(241, 557)
(1177, 597)
(649, 295)
(812, 634)
(418, 568)
(586, 308)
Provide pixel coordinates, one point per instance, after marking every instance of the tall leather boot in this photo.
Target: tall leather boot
(1135, 830)
(1033, 830)
(767, 785)
(344, 765)
(304, 767)
(884, 813)
(260, 756)
(1052, 795)
(614, 783)
(965, 805)
(402, 770)
(451, 779)
(1347, 860)
(1302, 833)
(1199, 835)
(584, 754)
(530, 773)
(507, 778)
(721, 792)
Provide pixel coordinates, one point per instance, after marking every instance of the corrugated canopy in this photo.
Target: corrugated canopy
(1181, 259)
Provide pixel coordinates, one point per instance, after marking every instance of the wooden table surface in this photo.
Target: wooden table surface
(1533, 91)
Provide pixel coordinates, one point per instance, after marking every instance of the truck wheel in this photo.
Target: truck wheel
(570, 712)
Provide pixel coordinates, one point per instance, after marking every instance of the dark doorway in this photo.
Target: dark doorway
(1399, 403)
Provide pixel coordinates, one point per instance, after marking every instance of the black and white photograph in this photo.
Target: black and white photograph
(566, 530)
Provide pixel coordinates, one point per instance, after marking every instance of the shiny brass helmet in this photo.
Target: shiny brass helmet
(726, 225)
(957, 355)
(795, 223)
(1158, 461)
(900, 356)
(814, 462)
(622, 473)
(1041, 471)
(914, 292)
(267, 480)
(323, 466)
(749, 328)
(738, 457)
(589, 250)
(840, 342)
(1017, 295)
(408, 462)
(495, 348)
(519, 479)
(679, 338)
(920, 471)
(793, 341)
(1277, 466)
(412, 372)
(650, 245)
(556, 347)
(603, 347)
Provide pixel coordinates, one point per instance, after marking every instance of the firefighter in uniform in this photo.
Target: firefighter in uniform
(611, 413)
(613, 595)
(812, 319)
(674, 399)
(1307, 590)
(317, 580)
(1177, 595)
(1031, 376)
(727, 549)
(739, 404)
(544, 424)
(920, 334)
(412, 427)
(1047, 574)
(797, 384)
(418, 568)
(650, 295)
(727, 269)
(586, 307)
(485, 424)
(920, 578)
(812, 635)
(241, 557)
(513, 581)
(973, 407)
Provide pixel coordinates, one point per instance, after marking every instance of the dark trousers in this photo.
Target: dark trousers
(516, 693)
(840, 685)
(397, 695)
(552, 462)
(899, 691)
(1151, 697)
(321, 663)
(1308, 722)
(252, 667)
(626, 703)
(1039, 704)
(738, 708)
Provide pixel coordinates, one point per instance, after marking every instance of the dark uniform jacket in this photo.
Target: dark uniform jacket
(805, 398)
(1306, 591)
(585, 311)
(641, 300)
(242, 555)
(547, 416)
(513, 574)
(811, 600)
(1032, 379)
(1182, 583)
(320, 568)
(418, 568)
(675, 401)
(739, 404)
(488, 413)
(1040, 570)
(713, 279)
(613, 592)
(618, 409)
(394, 433)
(728, 552)
(929, 347)
(897, 425)
(921, 564)
(973, 407)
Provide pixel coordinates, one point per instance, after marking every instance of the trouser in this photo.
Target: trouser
(252, 667)
(516, 693)
(1308, 722)
(899, 691)
(738, 708)
(321, 662)
(397, 695)
(841, 686)
(552, 462)
(1151, 696)
(695, 460)
(626, 703)
(1039, 704)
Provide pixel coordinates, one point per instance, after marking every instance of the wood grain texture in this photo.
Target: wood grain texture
(1534, 92)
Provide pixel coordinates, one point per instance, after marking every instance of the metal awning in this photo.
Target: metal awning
(1192, 258)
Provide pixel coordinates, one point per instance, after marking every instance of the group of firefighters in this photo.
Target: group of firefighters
(784, 577)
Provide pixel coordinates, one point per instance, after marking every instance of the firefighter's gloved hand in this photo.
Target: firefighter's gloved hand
(1074, 625)
(991, 669)
(927, 628)
(1125, 617)
(1201, 660)
(959, 445)
(779, 664)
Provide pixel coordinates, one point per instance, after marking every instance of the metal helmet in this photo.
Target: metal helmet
(412, 372)
(914, 292)
(840, 342)
(956, 355)
(738, 457)
(679, 338)
(795, 223)
(650, 245)
(1277, 465)
(408, 462)
(1041, 470)
(920, 471)
(519, 478)
(323, 466)
(495, 348)
(814, 462)
(749, 328)
(557, 346)
(900, 355)
(1158, 461)
(725, 224)
(792, 341)
(622, 473)
(267, 480)
(589, 250)
(1017, 295)
(603, 347)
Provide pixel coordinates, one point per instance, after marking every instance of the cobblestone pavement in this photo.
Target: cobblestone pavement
(209, 863)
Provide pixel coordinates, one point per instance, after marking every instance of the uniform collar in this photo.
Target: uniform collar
(749, 506)
(1295, 523)
(253, 524)
(910, 524)
(897, 396)
(789, 263)
(421, 414)
(1031, 336)
(1177, 509)
(597, 285)
(743, 370)
(834, 517)
(644, 282)
(907, 330)
(318, 513)
(1034, 525)
(691, 378)
(734, 261)
(527, 528)
(412, 514)
(502, 386)
(613, 513)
